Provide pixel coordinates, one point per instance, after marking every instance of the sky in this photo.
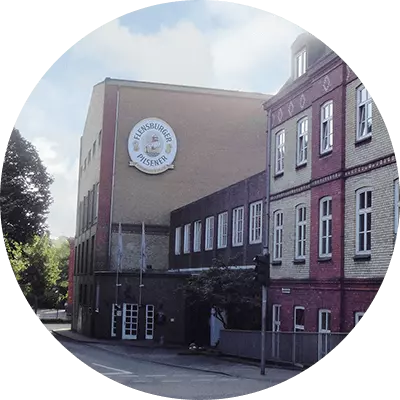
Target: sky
(201, 43)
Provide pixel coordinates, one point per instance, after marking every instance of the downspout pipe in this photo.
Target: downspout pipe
(266, 250)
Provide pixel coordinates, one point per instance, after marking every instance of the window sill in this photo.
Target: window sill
(301, 166)
(276, 263)
(325, 154)
(362, 257)
(237, 245)
(299, 261)
(257, 242)
(363, 140)
(324, 259)
(278, 175)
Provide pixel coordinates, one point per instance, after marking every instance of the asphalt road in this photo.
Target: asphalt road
(145, 371)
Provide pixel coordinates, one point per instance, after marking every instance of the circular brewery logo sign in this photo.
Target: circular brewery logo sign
(152, 146)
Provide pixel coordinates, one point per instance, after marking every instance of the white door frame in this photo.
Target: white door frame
(323, 331)
(130, 311)
(113, 321)
(276, 328)
(149, 333)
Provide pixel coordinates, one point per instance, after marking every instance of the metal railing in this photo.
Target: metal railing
(297, 348)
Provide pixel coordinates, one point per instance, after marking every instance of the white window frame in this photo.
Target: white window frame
(197, 237)
(364, 211)
(363, 107)
(222, 241)
(302, 141)
(209, 234)
(278, 236)
(186, 239)
(396, 205)
(255, 223)
(300, 63)
(326, 134)
(325, 220)
(298, 328)
(301, 232)
(323, 329)
(357, 316)
(178, 239)
(237, 226)
(280, 152)
(276, 318)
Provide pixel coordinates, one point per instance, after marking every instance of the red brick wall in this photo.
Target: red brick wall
(332, 162)
(334, 267)
(312, 297)
(106, 171)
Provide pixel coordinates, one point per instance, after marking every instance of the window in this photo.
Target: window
(280, 151)
(99, 140)
(396, 205)
(94, 148)
(96, 200)
(301, 63)
(325, 227)
(298, 319)
(197, 236)
(84, 165)
(255, 222)
(186, 239)
(222, 230)
(357, 317)
(326, 127)
(301, 225)
(209, 233)
(302, 141)
(278, 235)
(324, 321)
(178, 236)
(363, 221)
(276, 318)
(364, 113)
(237, 226)
(89, 156)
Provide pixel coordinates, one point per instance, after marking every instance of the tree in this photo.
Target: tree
(62, 252)
(25, 191)
(36, 267)
(233, 293)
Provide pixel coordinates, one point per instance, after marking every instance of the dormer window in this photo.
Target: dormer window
(300, 63)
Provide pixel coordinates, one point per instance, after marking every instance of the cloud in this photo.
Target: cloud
(218, 44)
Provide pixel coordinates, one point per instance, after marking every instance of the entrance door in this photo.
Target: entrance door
(149, 322)
(130, 321)
(215, 327)
(276, 327)
(324, 325)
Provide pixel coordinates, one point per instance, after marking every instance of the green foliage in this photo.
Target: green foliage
(41, 269)
(231, 292)
(25, 191)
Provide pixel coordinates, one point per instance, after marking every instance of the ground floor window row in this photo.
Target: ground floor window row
(84, 257)
(298, 319)
(216, 232)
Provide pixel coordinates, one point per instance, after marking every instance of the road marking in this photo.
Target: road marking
(120, 374)
(181, 376)
(121, 371)
(206, 376)
(228, 379)
(202, 380)
(155, 376)
(171, 381)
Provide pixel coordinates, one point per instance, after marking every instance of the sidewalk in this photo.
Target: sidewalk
(70, 335)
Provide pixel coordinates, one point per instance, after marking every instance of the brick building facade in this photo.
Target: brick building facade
(131, 130)
(333, 205)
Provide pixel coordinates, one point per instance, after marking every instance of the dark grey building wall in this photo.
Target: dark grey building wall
(242, 193)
